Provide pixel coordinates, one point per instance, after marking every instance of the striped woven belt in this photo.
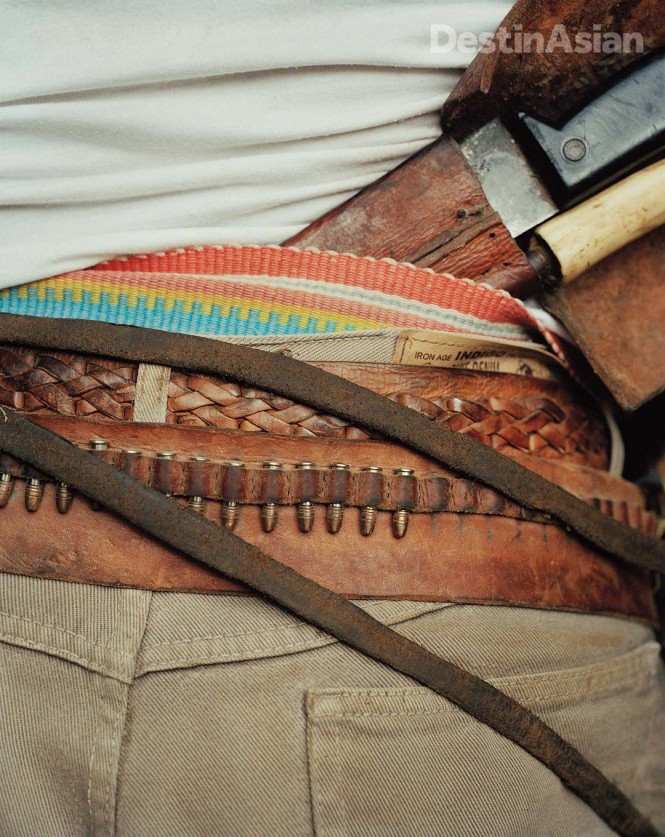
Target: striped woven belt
(242, 290)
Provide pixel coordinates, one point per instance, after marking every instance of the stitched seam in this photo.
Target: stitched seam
(364, 335)
(110, 772)
(54, 650)
(530, 701)
(91, 762)
(633, 679)
(113, 633)
(230, 657)
(317, 642)
(173, 643)
(59, 630)
(611, 689)
(340, 795)
(630, 670)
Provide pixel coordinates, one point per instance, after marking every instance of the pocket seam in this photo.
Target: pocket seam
(637, 669)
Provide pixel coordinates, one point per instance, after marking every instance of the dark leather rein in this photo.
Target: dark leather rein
(204, 541)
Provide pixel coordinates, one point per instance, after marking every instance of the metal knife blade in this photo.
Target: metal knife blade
(532, 171)
(508, 179)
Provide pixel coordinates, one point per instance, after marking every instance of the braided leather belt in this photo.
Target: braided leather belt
(275, 471)
(549, 419)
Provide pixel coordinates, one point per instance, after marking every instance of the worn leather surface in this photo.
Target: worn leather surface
(553, 84)
(508, 412)
(445, 556)
(257, 448)
(430, 488)
(616, 313)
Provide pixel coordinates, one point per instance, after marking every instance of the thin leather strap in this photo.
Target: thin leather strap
(209, 543)
(307, 384)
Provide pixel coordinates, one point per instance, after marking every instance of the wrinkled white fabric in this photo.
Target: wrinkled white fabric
(139, 125)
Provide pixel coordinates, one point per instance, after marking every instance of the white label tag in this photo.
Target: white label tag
(474, 354)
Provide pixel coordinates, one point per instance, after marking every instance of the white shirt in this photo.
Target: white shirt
(142, 125)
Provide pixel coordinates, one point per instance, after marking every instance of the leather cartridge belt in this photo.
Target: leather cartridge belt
(366, 518)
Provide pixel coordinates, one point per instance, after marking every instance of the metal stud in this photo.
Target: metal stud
(230, 514)
(196, 504)
(6, 488)
(305, 511)
(230, 507)
(369, 514)
(400, 521)
(270, 510)
(334, 517)
(269, 516)
(335, 511)
(63, 497)
(97, 445)
(34, 491)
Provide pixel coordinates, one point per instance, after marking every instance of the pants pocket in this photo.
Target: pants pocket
(405, 761)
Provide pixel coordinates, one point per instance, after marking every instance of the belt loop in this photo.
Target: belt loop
(233, 474)
(371, 496)
(270, 494)
(195, 484)
(163, 471)
(339, 480)
(406, 496)
(306, 491)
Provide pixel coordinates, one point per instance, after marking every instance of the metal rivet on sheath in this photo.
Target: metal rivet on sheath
(230, 506)
(369, 514)
(97, 445)
(335, 511)
(400, 521)
(34, 491)
(195, 502)
(63, 497)
(6, 488)
(305, 511)
(269, 511)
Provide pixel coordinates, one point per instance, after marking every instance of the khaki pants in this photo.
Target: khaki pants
(135, 713)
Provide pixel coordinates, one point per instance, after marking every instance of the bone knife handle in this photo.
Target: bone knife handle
(598, 227)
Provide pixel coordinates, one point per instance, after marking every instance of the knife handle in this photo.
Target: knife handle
(593, 230)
